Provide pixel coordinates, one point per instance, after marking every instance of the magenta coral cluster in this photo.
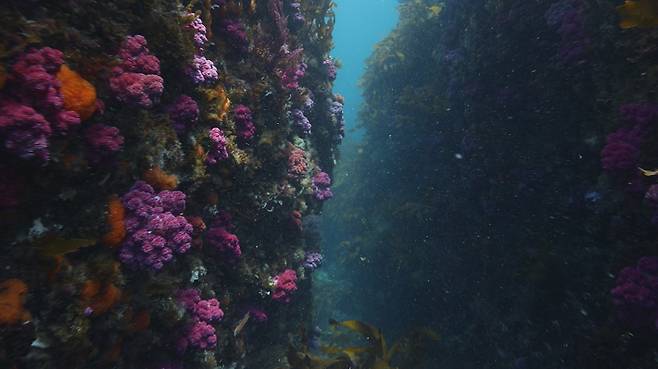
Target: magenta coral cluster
(300, 120)
(103, 141)
(621, 154)
(236, 34)
(217, 151)
(291, 76)
(200, 69)
(635, 294)
(284, 285)
(567, 17)
(244, 122)
(200, 334)
(297, 163)
(183, 113)
(31, 107)
(156, 230)
(321, 186)
(136, 80)
(221, 237)
(199, 30)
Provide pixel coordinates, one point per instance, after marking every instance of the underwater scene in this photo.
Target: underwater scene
(329, 184)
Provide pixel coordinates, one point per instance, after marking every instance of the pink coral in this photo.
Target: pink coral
(137, 80)
(200, 335)
(32, 107)
(103, 141)
(224, 241)
(218, 150)
(284, 285)
(208, 310)
(244, 122)
(297, 163)
(26, 132)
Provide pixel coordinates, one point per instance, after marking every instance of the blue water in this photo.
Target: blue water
(360, 24)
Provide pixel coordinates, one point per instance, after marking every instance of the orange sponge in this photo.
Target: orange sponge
(78, 94)
(115, 217)
(12, 296)
(160, 180)
(99, 298)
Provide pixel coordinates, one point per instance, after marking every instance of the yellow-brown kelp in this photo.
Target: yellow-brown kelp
(640, 14)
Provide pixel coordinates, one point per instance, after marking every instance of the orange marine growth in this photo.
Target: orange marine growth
(99, 299)
(115, 216)
(78, 94)
(12, 296)
(160, 180)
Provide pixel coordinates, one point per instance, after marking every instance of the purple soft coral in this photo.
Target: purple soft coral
(300, 120)
(217, 151)
(235, 32)
(221, 238)
(202, 70)
(312, 260)
(136, 81)
(103, 141)
(184, 113)
(32, 107)
(244, 122)
(321, 186)
(155, 228)
(636, 294)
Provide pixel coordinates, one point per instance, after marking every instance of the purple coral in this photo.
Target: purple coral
(202, 70)
(641, 113)
(300, 120)
(284, 285)
(244, 122)
(222, 239)
(25, 131)
(321, 186)
(291, 76)
(103, 141)
(217, 151)
(336, 116)
(236, 34)
(621, 154)
(200, 334)
(330, 69)
(312, 260)
(199, 30)
(635, 294)
(136, 81)
(184, 113)
(32, 107)
(156, 229)
(567, 17)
